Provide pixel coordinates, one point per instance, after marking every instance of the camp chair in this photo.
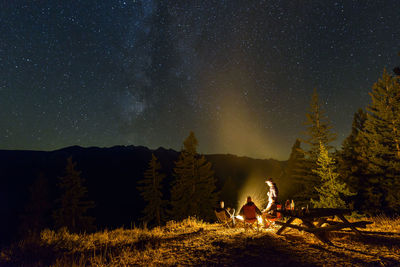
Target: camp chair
(224, 218)
(271, 218)
(248, 223)
(249, 217)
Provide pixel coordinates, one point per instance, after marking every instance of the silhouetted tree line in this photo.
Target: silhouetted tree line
(64, 201)
(69, 210)
(193, 192)
(365, 173)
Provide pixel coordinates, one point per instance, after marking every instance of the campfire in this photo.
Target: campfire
(240, 218)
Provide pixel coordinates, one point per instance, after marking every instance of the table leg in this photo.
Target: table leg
(341, 216)
(291, 219)
(320, 235)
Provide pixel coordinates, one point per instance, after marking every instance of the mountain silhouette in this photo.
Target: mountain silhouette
(110, 175)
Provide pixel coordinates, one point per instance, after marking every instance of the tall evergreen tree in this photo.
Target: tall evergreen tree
(150, 190)
(294, 157)
(193, 193)
(37, 210)
(381, 139)
(293, 170)
(350, 166)
(305, 181)
(318, 132)
(396, 70)
(72, 204)
(332, 189)
(318, 128)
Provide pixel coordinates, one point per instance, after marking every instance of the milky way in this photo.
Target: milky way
(238, 73)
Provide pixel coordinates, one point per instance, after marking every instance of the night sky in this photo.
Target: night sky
(240, 74)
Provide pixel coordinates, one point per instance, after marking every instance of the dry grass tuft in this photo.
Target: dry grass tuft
(386, 223)
(105, 248)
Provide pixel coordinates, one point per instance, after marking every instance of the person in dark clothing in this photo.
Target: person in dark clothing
(272, 196)
(228, 212)
(250, 211)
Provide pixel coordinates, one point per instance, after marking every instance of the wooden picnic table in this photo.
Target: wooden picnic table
(319, 222)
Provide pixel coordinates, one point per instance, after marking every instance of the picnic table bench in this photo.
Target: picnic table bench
(319, 222)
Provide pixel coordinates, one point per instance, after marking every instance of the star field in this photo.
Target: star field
(238, 73)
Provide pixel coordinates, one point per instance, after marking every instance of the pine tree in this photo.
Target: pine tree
(305, 181)
(193, 193)
(381, 139)
(332, 189)
(295, 155)
(293, 170)
(72, 206)
(318, 131)
(396, 70)
(36, 215)
(318, 128)
(350, 167)
(150, 190)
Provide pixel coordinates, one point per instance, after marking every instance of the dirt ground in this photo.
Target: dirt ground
(236, 247)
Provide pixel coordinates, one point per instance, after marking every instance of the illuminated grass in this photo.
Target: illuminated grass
(385, 223)
(193, 242)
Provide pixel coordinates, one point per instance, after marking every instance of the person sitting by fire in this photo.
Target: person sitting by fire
(228, 212)
(249, 211)
(272, 197)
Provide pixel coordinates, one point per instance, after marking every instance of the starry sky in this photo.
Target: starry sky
(240, 74)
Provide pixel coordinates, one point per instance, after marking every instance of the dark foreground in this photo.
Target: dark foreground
(194, 243)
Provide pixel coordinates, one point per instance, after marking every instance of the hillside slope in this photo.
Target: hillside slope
(195, 243)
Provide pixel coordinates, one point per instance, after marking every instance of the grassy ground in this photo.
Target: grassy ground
(191, 242)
